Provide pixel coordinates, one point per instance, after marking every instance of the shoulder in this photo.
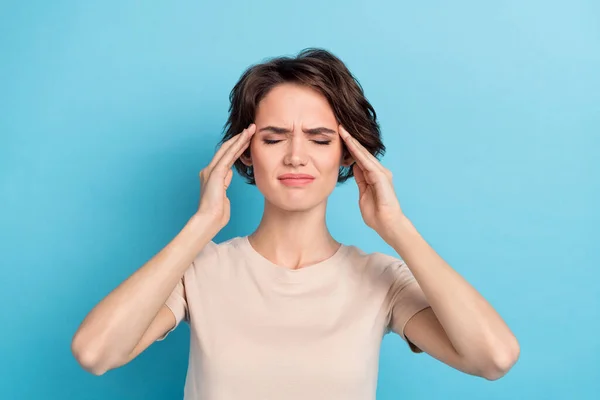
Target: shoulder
(374, 258)
(215, 255)
(208, 256)
(219, 249)
(377, 265)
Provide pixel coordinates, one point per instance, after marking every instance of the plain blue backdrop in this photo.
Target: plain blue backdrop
(490, 112)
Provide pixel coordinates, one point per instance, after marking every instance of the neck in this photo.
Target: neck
(294, 238)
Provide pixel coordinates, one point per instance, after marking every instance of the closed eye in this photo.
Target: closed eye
(321, 142)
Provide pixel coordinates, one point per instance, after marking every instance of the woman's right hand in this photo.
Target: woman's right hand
(215, 178)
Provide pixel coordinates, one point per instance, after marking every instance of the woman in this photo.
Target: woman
(288, 312)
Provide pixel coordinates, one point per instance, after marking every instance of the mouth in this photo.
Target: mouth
(296, 179)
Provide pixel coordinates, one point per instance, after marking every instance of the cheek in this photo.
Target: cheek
(262, 160)
(332, 158)
(328, 166)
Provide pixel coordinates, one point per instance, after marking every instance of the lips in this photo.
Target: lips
(295, 176)
(296, 180)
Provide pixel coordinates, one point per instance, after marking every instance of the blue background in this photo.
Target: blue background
(490, 112)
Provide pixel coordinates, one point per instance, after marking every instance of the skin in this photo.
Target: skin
(293, 232)
(460, 328)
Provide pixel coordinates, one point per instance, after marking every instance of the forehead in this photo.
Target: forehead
(290, 103)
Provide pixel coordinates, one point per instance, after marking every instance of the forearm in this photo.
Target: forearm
(474, 328)
(115, 325)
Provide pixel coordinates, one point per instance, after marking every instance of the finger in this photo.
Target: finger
(360, 154)
(224, 147)
(228, 179)
(362, 148)
(231, 144)
(359, 177)
(243, 148)
(236, 150)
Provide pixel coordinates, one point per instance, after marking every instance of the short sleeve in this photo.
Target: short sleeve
(406, 298)
(177, 303)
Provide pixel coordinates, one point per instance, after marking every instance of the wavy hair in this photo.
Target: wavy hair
(318, 69)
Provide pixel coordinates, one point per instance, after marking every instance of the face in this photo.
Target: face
(296, 136)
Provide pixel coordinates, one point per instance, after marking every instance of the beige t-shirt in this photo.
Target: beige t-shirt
(259, 331)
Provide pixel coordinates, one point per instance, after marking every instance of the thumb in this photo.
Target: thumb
(228, 178)
(359, 177)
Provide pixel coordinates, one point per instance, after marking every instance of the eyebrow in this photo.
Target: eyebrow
(313, 131)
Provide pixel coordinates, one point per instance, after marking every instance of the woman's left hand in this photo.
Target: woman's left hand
(378, 203)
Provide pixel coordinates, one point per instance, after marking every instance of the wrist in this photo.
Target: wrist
(398, 229)
(203, 226)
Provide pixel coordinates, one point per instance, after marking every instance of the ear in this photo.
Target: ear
(246, 158)
(347, 159)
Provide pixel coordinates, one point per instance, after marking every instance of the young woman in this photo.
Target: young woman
(288, 312)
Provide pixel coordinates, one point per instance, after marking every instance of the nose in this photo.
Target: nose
(296, 152)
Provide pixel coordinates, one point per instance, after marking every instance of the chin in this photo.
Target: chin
(295, 200)
(289, 203)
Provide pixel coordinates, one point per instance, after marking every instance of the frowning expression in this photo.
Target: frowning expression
(296, 151)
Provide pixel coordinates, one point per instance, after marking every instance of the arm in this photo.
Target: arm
(133, 315)
(461, 328)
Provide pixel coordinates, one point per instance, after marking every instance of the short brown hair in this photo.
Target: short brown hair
(315, 68)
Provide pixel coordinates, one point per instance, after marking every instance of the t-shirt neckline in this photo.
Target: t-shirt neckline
(310, 272)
